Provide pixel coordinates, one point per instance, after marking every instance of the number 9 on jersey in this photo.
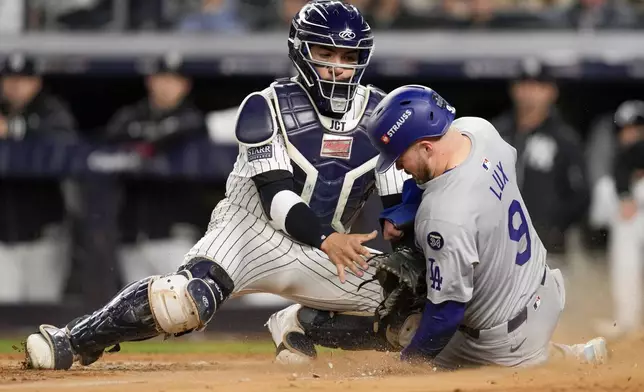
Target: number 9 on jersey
(516, 233)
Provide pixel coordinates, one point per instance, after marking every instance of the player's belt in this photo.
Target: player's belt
(513, 323)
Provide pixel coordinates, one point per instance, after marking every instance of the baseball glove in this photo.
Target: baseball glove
(401, 275)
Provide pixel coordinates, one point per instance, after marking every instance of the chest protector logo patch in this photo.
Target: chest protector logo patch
(335, 146)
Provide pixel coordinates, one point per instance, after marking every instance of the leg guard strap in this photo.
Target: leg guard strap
(340, 330)
(126, 317)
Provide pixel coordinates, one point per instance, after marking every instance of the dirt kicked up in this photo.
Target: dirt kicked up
(252, 369)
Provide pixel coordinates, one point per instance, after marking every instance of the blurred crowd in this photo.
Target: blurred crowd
(235, 16)
(39, 217)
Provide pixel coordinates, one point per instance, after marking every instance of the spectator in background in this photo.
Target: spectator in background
(626, 221)
(32, 249)
(468, 14)
(379, 13)
(69, 14)
(608, 135)
(157, 216)
(215, 16)
(495, 14)
(474, 12)
(115, 15)
(279, 15)
(27, 110)
(550, 167)
(589, 15)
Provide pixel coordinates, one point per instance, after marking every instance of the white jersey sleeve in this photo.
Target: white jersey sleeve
(391, 181)
(267, 157)
(450, 252)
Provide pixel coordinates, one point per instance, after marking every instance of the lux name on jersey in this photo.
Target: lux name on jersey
(500, 180)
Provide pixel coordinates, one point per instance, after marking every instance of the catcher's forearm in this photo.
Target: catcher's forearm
(285, 210)
(438, 324)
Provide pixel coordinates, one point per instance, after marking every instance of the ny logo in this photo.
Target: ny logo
(435, 275)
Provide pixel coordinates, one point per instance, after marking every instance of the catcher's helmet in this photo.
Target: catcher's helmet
(407, 114)
(335, 24)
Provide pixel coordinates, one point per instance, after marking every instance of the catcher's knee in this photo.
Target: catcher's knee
(187, 300)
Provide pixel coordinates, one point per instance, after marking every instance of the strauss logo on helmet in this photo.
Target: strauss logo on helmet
(399, 123)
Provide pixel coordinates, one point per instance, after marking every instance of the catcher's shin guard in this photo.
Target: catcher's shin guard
(126, 317)
(347, 331)
(173, 304)
(297, 329)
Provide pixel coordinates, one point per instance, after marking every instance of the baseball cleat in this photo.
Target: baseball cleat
(286, 357)
(49, 349)
(293, 347)
(596, 351)
(296, 349)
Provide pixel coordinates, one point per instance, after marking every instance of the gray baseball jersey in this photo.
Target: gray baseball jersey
(476, 233)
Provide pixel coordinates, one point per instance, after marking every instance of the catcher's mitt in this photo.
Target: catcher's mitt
(401, 275)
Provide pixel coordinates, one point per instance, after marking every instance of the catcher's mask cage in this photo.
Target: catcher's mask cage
(330, 24)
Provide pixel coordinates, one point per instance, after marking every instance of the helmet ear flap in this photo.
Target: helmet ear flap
(304, 51)
(298, 51)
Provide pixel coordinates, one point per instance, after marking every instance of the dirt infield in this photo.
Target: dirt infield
(349, 371)
(587, 299)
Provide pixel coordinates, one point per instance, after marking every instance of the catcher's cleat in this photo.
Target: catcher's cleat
(296, 349)
(52, 349)
(293, 347)
(49, 349)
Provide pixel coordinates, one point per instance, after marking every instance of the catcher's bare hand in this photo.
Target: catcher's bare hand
(390, 232)
(346, 250)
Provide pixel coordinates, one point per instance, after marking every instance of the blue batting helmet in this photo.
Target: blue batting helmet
(407, 114)
(335, 24)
